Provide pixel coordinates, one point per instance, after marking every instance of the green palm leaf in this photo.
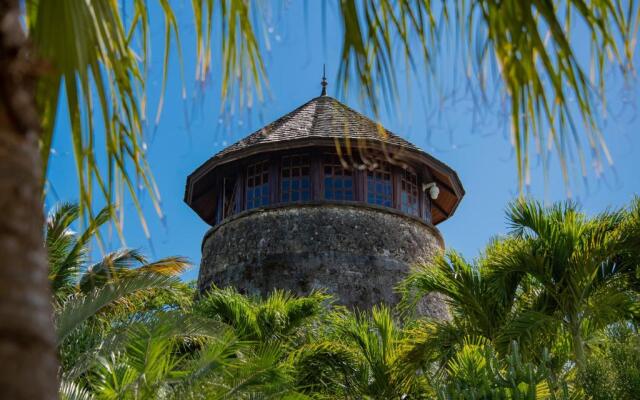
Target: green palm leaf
(125, 263)
(98, 63)
(67, 250)
(579, 265)
(78, 308)
(274, 318)
(72, 391)
(546, 84)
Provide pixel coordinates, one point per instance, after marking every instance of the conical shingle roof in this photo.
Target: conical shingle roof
(322, 117)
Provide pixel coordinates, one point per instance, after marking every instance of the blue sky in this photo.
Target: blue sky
(192, 130)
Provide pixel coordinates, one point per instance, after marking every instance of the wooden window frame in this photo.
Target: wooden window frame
(328, 161)
(300, 178)
(402, 178)
(222, 212)
(245, 183)
(392, 182)
(426, 203)
(317, 160)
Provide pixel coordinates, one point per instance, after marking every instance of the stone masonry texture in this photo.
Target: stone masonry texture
(358, 254)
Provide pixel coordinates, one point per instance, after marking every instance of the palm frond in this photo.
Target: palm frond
(281, 313)
(429, 342)
(468, 290)
(78, 308)
(64, 263)
(263, 373)
(375, 341)
(99, 75)
(371, 30)
(150, 347)
(548, 88)
(72, 391)
(276, 317)
(112, 377)
(110, 268)
(530, 328)
(149, 357)
(324, 366)
(125, 263)
(66, 249)
(217, 354)
(170, 266)
(102, 78)
(231, 308)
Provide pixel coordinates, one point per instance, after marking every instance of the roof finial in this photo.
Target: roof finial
(324, 82)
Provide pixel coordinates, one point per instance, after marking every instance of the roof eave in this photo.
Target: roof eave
(213, 163)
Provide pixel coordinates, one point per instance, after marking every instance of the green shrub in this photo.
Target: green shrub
(613, 372)
(478, 372)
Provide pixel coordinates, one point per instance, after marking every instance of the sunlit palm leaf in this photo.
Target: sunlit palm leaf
(72, 391)
(151, 348)
(554, 97)
(274, 318)
(98, 65)
(580, 267)
(79, 308)
(321, 366)
(67, 250)
(374, 345)
(470, 291)
(263, 376)
(433, 342)
(126, 263)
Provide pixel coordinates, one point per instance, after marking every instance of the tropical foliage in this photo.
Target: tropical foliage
(547, 312)
(127, 328)
(554, 285)
(95, 57)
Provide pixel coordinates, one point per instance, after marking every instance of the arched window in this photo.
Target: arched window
(338, 180)
(295, 181)
(257, 184)
(409, 193)
(379, 185)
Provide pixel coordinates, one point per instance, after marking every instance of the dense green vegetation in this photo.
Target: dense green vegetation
(548, 311)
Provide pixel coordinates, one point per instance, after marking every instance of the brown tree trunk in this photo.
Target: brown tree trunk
(28, 364)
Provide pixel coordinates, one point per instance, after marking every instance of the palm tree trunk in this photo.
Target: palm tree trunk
(28, 364)
(578, 344)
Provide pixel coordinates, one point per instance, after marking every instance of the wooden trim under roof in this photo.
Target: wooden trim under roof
(445, 178)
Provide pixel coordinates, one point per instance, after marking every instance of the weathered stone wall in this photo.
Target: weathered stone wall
(356, 253)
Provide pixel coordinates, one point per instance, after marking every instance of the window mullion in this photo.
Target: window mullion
(274, 180)
(396, 187)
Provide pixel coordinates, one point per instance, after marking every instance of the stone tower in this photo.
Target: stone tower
(323, 197)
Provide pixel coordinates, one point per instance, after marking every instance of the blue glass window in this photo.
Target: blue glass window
(379, 186)
(295, 182)
(338, 179)
(409, 193)
(257, 185)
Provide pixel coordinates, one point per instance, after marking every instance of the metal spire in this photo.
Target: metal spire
(324, 82)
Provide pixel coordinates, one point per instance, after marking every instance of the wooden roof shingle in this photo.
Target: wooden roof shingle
(322, 117)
